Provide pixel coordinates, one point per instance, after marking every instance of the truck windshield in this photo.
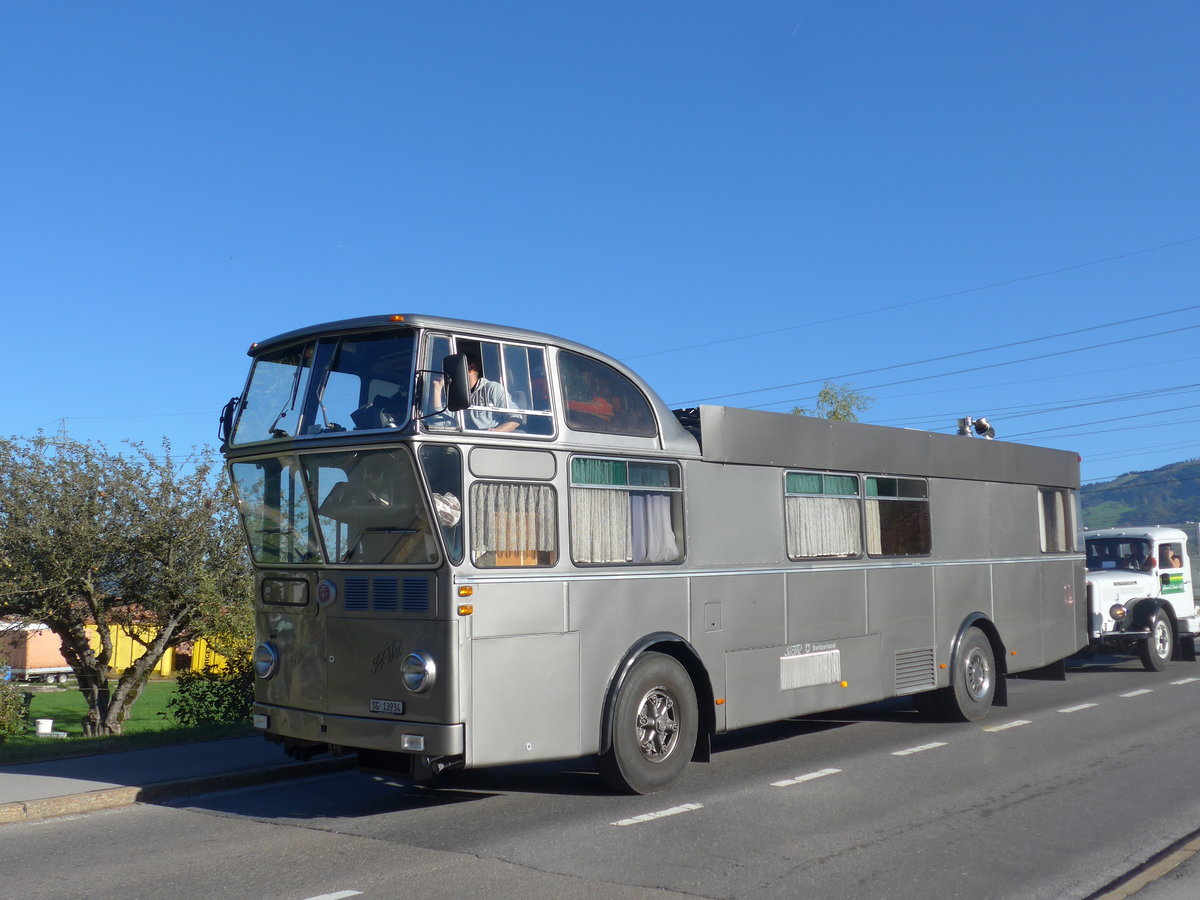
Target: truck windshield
(356, 507)
(1117, 553)
(349, 383)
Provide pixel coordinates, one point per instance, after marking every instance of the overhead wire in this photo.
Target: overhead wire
(908, 303)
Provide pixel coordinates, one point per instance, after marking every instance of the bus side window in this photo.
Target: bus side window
(897, 511)
(599, 398)
(513, 524)
(1054, 523)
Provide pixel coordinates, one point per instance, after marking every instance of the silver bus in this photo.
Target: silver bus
(479, 545)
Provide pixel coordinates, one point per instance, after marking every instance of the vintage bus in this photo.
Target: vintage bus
(479, 545)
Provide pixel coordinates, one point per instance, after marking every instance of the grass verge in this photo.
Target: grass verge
(144, 729)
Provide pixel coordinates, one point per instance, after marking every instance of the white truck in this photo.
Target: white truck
(1139, 594)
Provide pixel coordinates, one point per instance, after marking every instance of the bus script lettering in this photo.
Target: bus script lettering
(386, 657)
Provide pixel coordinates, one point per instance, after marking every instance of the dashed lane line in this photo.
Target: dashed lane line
(338, 895)
(919, 749)
(1138, 692)
(1185, 680)
(1077, 708)
(661, 814)
(811, 776)
(1015, 723)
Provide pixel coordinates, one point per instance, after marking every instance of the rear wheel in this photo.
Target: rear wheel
(1156, 650)
(972, 683)
(654, 727)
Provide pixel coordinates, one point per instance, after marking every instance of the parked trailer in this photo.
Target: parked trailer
(53, 675)
(1140, 599)
(478, 545)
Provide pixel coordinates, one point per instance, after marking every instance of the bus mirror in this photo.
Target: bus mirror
(458, 390)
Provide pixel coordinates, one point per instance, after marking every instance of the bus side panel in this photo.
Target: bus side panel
(762, 682)
(1064, 628)
(1017, 589)
(525, 695)
(526, 607)
(750, 608)
(822, 606)
(735, 515)
(959, 591)
(900, 607)
(612, 613)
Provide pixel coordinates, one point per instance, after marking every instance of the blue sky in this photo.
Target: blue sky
(740, 200)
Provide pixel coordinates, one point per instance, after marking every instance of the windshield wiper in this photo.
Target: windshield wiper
(273, 431)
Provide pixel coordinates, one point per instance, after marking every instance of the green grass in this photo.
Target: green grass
(144, 728)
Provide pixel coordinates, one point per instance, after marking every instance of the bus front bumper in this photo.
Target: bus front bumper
(360, 732)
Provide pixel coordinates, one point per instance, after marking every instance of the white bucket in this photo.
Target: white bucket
(44, 726)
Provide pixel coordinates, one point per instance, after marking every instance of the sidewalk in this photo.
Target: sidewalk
(63, 787)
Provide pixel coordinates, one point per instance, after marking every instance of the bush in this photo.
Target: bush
(214, 697)
(14, 710)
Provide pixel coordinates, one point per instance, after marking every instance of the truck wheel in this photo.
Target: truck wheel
(654, 727)
(1156, 650)
(973, 679)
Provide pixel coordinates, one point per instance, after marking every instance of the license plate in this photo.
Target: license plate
(395, 707)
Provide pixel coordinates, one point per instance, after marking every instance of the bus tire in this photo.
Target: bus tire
(973, 678)
(1156, 650)
(654, 727)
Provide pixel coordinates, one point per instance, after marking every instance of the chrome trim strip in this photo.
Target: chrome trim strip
(629, 574)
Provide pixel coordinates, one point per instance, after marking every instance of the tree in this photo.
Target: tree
(94, 538)
(837, 401)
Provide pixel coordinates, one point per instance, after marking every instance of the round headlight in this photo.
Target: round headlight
(418, 671)
(1118, 612)
(266, 660)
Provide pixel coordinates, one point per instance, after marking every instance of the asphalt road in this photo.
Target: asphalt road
(1071, 786)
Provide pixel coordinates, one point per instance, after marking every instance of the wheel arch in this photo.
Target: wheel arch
(984, 623)
(669, 644)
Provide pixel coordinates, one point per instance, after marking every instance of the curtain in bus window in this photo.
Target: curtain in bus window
(823, 526)
(601, 531)
(513, 524)
(652, 537)
(874, 537)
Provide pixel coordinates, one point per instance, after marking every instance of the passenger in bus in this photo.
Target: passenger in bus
(484, 394)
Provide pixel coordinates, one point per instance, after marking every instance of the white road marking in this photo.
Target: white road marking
(1138, 692)
(1071, 709)
(662, 814)
(1185, 680)
(1015, 723)
(811, 776)
(340, 895)
(911, 750)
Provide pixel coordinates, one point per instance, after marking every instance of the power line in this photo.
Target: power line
(1013, 362)
(908, 303)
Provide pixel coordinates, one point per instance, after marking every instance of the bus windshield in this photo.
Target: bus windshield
(335, 384)
(1117, 553)
(369, 509)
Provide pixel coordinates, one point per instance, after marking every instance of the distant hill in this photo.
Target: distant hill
(1166, 496)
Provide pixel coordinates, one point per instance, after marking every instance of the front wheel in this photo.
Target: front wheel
(1156, 650)
(654, 727)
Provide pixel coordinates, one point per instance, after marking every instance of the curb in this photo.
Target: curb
(112, 798)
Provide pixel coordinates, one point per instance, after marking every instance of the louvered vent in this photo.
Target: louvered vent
(914, 670)
(357, 590)
(385, 595)
(416, 595)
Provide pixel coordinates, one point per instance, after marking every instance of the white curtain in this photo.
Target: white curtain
(600, 528)
(874, 529)
(652, 536)
(512, 518)
(824, 526)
